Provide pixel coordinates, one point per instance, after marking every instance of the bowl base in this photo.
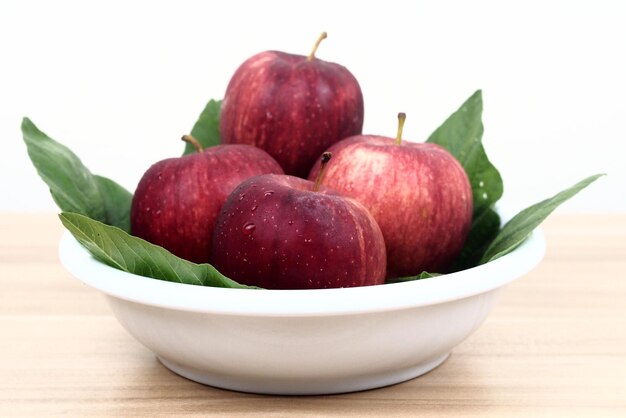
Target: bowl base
(272, 386)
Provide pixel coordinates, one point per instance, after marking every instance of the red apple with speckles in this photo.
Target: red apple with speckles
(292, 106)
(418, 193)
(277, 232)
(178, 199)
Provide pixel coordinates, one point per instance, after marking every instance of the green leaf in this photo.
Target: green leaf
(120, 250)
(73, 187)
(117, 202)
(207, 128)
(522, 224)
(461, 134)
(485, 227)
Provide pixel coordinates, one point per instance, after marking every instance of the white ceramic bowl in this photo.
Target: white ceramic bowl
(303, 341)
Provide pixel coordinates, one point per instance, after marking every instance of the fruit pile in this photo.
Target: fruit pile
(274, 227)
(292, 195)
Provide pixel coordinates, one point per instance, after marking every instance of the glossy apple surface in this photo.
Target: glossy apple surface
(275, 232)
(178, 199)
(418, 193)
(292, 107)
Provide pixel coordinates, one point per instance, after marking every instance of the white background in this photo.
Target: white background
(120, 81)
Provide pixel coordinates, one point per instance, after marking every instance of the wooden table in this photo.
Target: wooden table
(554, 346)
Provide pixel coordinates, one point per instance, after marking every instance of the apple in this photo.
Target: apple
(418, 193)
(178, 199)
(292, 106)
(284, 232)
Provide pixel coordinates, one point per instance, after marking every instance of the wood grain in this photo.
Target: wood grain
(554, 346)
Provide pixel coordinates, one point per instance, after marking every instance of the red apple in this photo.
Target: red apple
(278, 232)
(177, 200)
(292, 106)
(418, 193)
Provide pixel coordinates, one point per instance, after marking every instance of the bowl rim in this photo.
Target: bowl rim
(315, 302)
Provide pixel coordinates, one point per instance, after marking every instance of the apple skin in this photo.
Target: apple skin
(275, 232)
(418, 193)
(291, 107)
(178, 199)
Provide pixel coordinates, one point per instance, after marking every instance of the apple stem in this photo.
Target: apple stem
(193, 141)
(320, 176)
(323, 36)
(401, 119)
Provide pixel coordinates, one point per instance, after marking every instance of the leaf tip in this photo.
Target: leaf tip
(478, 96)
(63, 217)
(26, 123)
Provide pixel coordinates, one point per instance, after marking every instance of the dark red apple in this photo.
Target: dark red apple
(177, 200)
(418, 193)
(292, 106)
(277, 232)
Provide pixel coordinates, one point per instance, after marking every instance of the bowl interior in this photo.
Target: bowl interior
(301, 302)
